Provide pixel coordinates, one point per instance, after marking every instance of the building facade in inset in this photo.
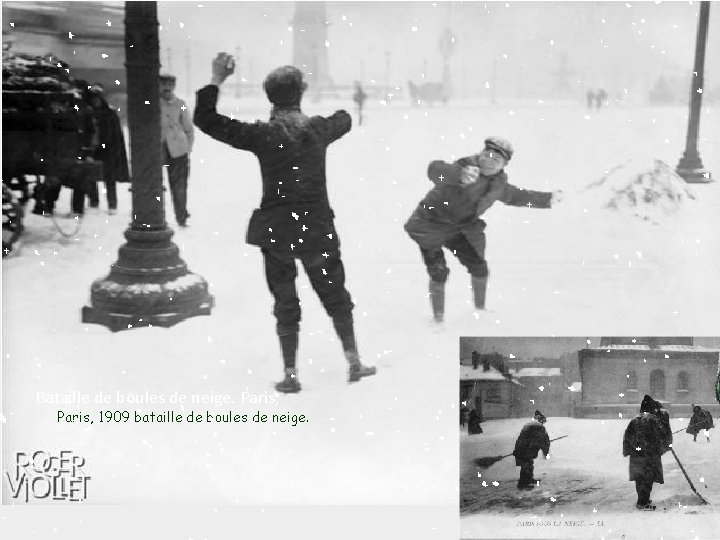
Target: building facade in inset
(544, 388)
(616, 376)
(485, 388)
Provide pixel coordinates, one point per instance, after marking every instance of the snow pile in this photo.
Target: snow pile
(645, 188)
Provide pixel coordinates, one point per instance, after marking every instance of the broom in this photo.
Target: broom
(485, 462)
(684, 429)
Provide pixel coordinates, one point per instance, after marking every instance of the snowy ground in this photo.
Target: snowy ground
(585, 479)
(389, 439)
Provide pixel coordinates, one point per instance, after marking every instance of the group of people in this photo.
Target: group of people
(295, 220)
(102, 143)
(647, 437)
(596, 98)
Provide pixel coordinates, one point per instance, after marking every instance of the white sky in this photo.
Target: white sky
(604, 43)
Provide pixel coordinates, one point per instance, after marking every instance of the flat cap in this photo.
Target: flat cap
(501, 146)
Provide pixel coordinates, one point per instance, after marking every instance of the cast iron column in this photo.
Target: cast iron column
(691, 166)
(149, 284)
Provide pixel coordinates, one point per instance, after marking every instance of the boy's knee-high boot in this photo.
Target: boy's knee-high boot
(437, 299)
(479, 286)
(346, 332)
(289, 346)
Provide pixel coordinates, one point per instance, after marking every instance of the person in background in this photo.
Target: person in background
(294, 220)
(647, 437)
(464, 414)
(178, 135)
(359, 97)
(75, 171)
(110, 148)
(85, 184)
(590, 99)
(701, 420)
(533, 438)
(474, 423)
(600, 98)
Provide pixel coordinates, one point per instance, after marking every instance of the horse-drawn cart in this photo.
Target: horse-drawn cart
(43, 131)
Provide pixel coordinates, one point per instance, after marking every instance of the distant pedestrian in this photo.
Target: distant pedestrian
(474, 423)
(590, 97)
(178, 135)
(464, 414)
(647, 438)
(701, 420)
(600, 98)
(532, 439)
(359, 97)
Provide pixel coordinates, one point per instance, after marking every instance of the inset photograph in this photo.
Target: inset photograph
(585, 437)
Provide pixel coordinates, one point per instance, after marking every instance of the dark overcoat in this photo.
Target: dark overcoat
(533, 438)
(111, 144)
(474, 423)
(700, 420)
(646, 439)
(294, 215)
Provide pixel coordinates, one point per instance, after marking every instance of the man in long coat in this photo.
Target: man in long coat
(533, 438)
(294, 220)
(449, 216)
(110, 148)
(647, 438)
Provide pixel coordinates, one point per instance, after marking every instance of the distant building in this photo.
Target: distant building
(543, 388)
(310, 50)
(486, 389)
(616, 376)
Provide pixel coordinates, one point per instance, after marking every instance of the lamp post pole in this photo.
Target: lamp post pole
(690, 166)
(149, 285)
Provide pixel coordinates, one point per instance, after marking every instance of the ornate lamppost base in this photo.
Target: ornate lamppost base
(122, 306)
(149, 285)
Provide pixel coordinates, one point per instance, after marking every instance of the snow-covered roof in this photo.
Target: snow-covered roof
(538, 372)
(467, 373)
(663, 348)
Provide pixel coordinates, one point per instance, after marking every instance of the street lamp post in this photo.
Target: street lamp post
(149, 285)
(690, 166)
